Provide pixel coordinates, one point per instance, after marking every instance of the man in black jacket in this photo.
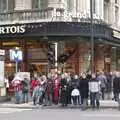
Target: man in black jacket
(83, 87)
(116, 86)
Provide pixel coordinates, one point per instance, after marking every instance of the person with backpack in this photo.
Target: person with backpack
(103, 83)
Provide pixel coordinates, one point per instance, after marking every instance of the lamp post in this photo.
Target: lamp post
(56, 55)
(92, 37)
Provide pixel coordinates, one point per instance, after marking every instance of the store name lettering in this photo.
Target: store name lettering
(12, 29)
(116, 34)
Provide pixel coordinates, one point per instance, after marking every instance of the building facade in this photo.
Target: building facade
(27, 24)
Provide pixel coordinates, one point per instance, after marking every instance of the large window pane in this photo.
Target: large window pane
(69, 5)
(11, 5)
(3, 5)
(38, 4)
(94, 6)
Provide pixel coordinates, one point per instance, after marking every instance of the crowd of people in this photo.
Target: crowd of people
(67, 89)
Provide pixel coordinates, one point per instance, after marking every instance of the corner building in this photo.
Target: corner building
(32, 24)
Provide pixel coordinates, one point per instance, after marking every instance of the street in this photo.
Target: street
(58, 114)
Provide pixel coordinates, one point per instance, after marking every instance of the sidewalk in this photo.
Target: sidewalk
(22, 106)
(103, 104)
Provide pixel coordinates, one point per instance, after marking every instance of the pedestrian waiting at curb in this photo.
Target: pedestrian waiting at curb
(94, 89)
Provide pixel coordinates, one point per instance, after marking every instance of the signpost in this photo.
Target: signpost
(16, 55)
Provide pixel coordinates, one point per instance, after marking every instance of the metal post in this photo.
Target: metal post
(56, 54)
(16, 66)
(92, 37)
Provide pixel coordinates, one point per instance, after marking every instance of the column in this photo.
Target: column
(114, 58)
(77, 59)
(111, 13)
(119, 15)
(99, 57)
(83, 5)
(106, 8)
(80, 5)
(88, 6)
(100, 8)
(73, 7)
(97, 8)
(24, 65)
(1, 44)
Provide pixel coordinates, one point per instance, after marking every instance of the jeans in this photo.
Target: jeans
(25, 97)
(48, 99)
(84, 105)
(94, 99)
(103, 93)
(18, 96)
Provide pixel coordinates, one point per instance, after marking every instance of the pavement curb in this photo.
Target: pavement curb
(101, 107)
(57, 107)
(19, 107)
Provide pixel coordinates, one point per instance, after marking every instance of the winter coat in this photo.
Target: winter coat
(103, 81)
(35, 83)
(116, 85)
(64, 91)
(74, 83)
(83, 87)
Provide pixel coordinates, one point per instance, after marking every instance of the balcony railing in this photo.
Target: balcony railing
(31, 16)
(46, 15)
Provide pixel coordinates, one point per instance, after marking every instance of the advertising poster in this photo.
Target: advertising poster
(21, 75)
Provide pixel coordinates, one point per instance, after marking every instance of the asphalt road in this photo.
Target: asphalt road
(58, 114)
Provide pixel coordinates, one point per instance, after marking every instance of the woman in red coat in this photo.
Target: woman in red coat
(56, 89)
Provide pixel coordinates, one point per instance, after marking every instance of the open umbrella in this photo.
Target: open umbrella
(17, 79)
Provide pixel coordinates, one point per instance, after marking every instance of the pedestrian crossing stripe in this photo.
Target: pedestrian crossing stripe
(12, 110)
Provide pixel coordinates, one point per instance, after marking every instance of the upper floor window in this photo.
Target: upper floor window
(94, 6)
(3, 6)
(6, 5)
(116, 1)
(69, 5)
(38, 4)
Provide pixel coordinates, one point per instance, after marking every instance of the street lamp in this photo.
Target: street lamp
(92, 37)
